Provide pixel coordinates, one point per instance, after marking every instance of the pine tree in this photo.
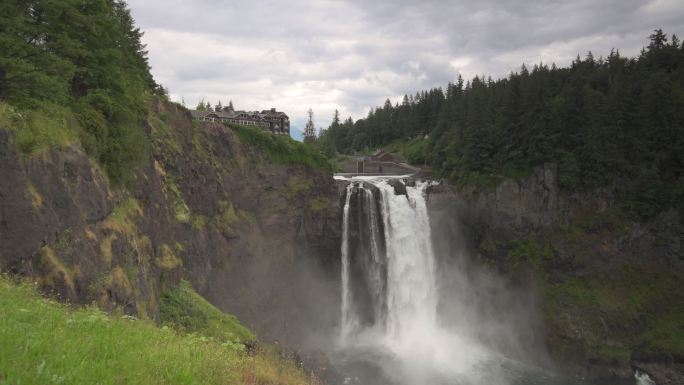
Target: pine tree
(310, 129)
(336, 120)
(658, 40)
(675, 41)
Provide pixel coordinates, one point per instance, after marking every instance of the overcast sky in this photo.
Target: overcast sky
(352, 55)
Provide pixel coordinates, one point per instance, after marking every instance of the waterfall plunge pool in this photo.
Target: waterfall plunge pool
(390, 328)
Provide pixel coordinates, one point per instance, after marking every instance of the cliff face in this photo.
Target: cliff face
(258, 239)
(609, 285)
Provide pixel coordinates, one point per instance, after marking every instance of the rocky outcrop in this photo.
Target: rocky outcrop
(257, 238)
(607, 281)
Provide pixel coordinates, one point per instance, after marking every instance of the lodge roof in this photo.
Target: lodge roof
(272, 113)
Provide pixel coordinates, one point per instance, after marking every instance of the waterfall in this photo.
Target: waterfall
(643, 378)
(347, 320)
(393, 243)
(389, 288)
(392, 331)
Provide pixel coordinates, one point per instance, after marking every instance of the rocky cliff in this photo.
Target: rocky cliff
(258, 238)
(609, 284)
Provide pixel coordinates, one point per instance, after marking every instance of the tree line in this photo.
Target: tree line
(85, 57)
(612, 121)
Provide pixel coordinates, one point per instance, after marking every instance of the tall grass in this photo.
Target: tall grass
(183, 308)
(45, 342)
(282, 149)
(40, 128)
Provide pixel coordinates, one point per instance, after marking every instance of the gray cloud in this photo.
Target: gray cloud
(352, 55)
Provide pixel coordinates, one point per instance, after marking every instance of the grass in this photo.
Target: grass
(282, 149)
(183, 308)
(39, 129)
(414, 150)
(199, 222)
(122, 217)
(644, 308)
(318, 204)
(36, 198)
(167, 260)
(529, 251)
(45, 342)
(610, 354)
(180, 208)
(297, 184)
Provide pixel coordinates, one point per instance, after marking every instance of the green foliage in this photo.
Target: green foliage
(528, 251)
(650, 308)
(199, 222)
(122, 217)
(614, 121)
(181, 209)
(610, 354)
(167, 259)
(282, 149)
(49, 125)
(45, 342)
(318, 204)
(76, 69)
(415, 151)
(665, 335)
(182, 307)
(571, 292)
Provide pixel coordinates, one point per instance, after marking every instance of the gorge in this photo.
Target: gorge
(493, 272)
(411, 315)
(539, 239)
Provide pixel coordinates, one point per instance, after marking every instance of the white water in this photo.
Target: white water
(643, 378)
(347, 319)
(407, 326)
(405, 343)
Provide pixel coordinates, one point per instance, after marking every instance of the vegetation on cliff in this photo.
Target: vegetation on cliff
(43, 341)
(604, 121)
(282, 149)
(75, 71)
(183, 308)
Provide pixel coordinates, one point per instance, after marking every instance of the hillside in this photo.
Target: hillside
(43, 341)
(567, 181)
(605, 122)
(205, 205)
(608, 285)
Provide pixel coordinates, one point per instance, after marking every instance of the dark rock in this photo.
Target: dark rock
(579, 236)
(399, 186)
(257, 239)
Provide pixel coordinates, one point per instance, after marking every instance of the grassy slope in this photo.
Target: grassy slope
(281, 149)
(183, 308)
(413, 150)
(38, 129)
(45, 342)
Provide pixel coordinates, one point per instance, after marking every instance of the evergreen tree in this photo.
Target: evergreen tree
(658, 40)
(86, 57)
(603, 122)
(336, 120)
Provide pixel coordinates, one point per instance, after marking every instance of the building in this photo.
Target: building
(275, 121)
